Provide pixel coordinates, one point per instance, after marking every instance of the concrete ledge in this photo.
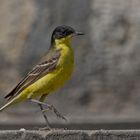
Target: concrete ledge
(70, 135)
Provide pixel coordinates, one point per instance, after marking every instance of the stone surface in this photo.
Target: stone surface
(70, 135)
(105, 83)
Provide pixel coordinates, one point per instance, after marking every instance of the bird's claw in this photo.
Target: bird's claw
(57, 113)
(44, 128)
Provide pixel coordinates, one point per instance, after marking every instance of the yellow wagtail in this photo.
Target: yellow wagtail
(54, 69)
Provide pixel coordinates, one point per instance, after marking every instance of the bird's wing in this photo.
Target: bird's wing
(36, 73)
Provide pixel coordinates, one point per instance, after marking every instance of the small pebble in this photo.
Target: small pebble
(22, 129)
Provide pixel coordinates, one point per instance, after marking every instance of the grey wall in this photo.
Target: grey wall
(105, 83)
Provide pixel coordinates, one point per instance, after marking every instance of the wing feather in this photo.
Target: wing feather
(36, 73)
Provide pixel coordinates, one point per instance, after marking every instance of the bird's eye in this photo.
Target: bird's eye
(64, 32)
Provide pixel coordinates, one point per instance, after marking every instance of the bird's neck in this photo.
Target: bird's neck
(61, 43)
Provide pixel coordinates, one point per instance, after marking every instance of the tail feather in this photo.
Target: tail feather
(17, 99)
(9, 103)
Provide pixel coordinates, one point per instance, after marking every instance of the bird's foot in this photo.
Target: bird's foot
(45, 128)
(49, 107)
(57, 113)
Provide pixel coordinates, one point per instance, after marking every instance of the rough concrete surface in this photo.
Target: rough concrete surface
(70, 135)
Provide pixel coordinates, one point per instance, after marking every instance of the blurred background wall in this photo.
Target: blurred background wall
(105, 86)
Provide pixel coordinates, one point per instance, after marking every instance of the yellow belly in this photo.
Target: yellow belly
(51, 81)
(55, 79)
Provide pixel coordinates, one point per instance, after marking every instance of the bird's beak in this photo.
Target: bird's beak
(78, 33)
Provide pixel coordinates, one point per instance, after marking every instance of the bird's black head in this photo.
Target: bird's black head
(62, 32)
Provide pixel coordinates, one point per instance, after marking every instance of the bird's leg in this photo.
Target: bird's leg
(45, 116)
(50, 107)
(57, 113)
(41, 107)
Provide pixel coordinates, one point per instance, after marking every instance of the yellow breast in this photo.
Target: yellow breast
(64, 68)
(55, 79)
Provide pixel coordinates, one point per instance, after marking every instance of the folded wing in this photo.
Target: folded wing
(36, 73)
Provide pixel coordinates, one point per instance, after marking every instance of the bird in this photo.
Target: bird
(54, 69)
